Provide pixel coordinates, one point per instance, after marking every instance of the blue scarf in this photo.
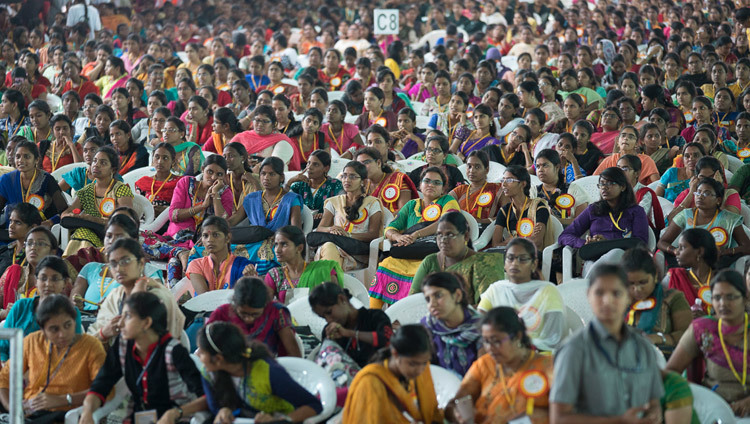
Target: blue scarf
(253, 205)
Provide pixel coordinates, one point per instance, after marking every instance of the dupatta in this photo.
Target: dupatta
(253, 205)
(255, 143)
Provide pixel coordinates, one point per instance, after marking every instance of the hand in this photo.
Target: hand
(46, 401)
(224, 416)
(250, 271)
(169, 417)
(78, 301)
(334, 331)
(4, 312)
(263, 417)
(741, 408)
(337, 231)
(216, 188)
(142, 284)
(698, 312)
(86, 418)
(404, 239)
(112, 328)
(631, 416)
(594, 239)
(524, 148)
(674, 151)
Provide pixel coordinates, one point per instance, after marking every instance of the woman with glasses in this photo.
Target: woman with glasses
(614, 223)
(349, 222)
(143, 130)
(264, 141)
(509, 361)
(725, 226)
(412, 235)
(522, 216)
(88, 116)
(155, 130)
(259, 317)
(721, 342)
(394, 189)
(539, 302)
(484, 135)
(455, 255)
(565, 203)
(627, 141)
(468, 195)
(607, 130)
(188, 159)
(644, 196)
(435, 153)
(340, 135)
(708, 167)
(159, 188)
(127, 263)
(676, 179)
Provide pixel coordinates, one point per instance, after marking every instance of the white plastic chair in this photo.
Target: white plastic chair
(55, 102)
(661, 361)
(158, 221)
(409, 310)
(131, 177)
(315, 380)
(422, 121)
(408, 165)
(357, 289)
(121, 391)
(307, 220)
(557, 229)
(729, 174)
(710, 407)
(733, 163)
(588, 185)
(667, 207)
(417, 107)
(284, 151)
(58, 173)
(335, 95)
(653, 185)
(745, 211)
(446, 384)
(288, 175)
(350, 119)
(183, 286)
(573, 293)
(290, 81)
(375, 248)
(303, 314)
(430, 38)
(494, 174)
(337, 166)
(573, 322)
(209, 301)
(144, 209)
(739, 264)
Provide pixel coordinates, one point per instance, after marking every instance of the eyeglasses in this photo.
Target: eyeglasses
(726, 298)
(509, 180)
(606, 184)
(32, 243)
(171, 130)
(350, 176)
(494, 342)
(433, 150)
(262, 121)
(122, 262)
(55, 279)
(705, 194)
(446, 236)
(428, 181)
(521, 259)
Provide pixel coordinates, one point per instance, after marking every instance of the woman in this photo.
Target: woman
(677, 179)
(406, 138)
(359, 332)
(510, 355)
(276, 86)
(613, 223)
(436, 153)
(123, 107)
(722, 349)
(22, 218)
(263, 141)
(319, 100)
(349, 222)
(555, 190)
(479, 190)
(454, 122)
(52, 277)
(96, 202)
(47, 397)
(696, 255)
(132, 155)
(627, 141)
(522, 216)
(663, 314)
(199, 122)
(185, 91)
(40, 128)
(78, 178)
(608, 129)
(142, 130)
(333, 75)
(535, 119)
(265, 388)
(539, 302)
(374, 112)
(651, 139)
(242, 181)
(308, 136)
(61, 150)
(483, 136)
(394, 189)
(188, 158)
(508, 118)
(574, 109)
(170, 381)
(708, 167)
(103, 116)
(259, 317)
(644, 196)
(415, 221)
(703, 113)
(341, 136)
(393, 101)
(159, 188)
(514, 149)
(724, 226)
(225, 126)
(451, 322)
(295, 271)
(286, 123)
(115, 76)
(466, 84)
(706, 136)
(29, 184)
(16, 116)
(397, 387)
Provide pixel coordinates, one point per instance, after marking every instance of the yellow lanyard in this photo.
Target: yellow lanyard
(339, 142)
(15, 253)
(102, 288)
(52, 159)
(28, 190)
(700, 283)
(617, 221)
(270, 206)
(475, 143)
(518, 216)
(153, 195)
(375, 121)
(506, 159)
(231, 186)
(49, 131)
(468, 195)
(695, 215)
(318, 188)
(314, 146)
(742, 380)
(286, 274)
(223, 268)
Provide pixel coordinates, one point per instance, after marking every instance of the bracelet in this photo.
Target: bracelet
(180, 411)
(101, 335)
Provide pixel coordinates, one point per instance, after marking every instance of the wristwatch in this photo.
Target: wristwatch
(663, 339)
(69, 398)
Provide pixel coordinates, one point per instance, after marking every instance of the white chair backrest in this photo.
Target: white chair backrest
(356, 288)
(446, 384)
(494, 174)
(315, 380)
(710, 407)
(337, 165)
(58, 173)
(55, 102)
(131, 177)
(387, 217)
(290, 81)
(653, 185)
(283, 151)
(335, 95)
(745, 211)
(661, 361)
(430, 38)
(729, 174)
(209, 301)
(588, 185)
(422, 121)
(303, 314)
(555, 226)
(733, 163)
(350, 119)
(288, 175)
(409, 310)
(573, 293)
(182, 287)
(408, 165)
(667, 206)
(417, 107)
(143, 208)
(68, 198)
(572, 322)
(473, 225)
(300, 344)
(307, 220)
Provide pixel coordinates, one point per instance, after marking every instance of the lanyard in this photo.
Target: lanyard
(700, 283)
(742, 380)
(288, 279)
(314, 146)
(318, 188)
(634, 370)
(518, 215)
(223, 268)
(102, 288)
(340, 141)
(616, 222)
(153, 195)
(59, 364)
(52, 154)
(231, 186)
(467, 151)
(468, 195)
(695, 215)
(270, 206)
(15, 254)
(28, 190)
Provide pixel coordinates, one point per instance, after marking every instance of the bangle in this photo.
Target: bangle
(179, 410)
(101, 335)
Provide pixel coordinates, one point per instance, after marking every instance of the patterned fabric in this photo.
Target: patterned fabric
(90, 204)
(479, 270)
(314, 274)
(162, 192)
(677, 394)
(471, 204)
(314, 199)
(189, 159)
(455, 348)
(265, 328)
(44, 185)
(718, 374)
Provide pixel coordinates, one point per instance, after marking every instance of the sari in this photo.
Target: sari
(263, 145)
(661, 318)
(314, 199)
(399, 181)
(679, 279)
(538, 303)
(79, 178)
(159, 193)
(494, 404)
(205, 268)
(15, 283)
(189, 160)
(455, 348)
(471, 144)
(705, 335)
(479, 270)
(605, 141)
(315, 274)
(92, 205)
(107, 84)
(44, 193)
(335, 205)
(135, 157)
(274, 318)
(394, 276)
(377, 396)
(52, 160)
(469, 201)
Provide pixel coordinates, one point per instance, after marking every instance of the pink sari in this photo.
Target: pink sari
(255, 143)
(119, 83)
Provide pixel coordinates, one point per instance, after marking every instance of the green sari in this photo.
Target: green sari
(189, 159)
(479, 270)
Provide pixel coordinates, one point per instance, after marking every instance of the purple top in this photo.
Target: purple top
(633, 220)
(411, 147)
(424, 94)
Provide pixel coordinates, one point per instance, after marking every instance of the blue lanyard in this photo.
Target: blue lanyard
(633, 370)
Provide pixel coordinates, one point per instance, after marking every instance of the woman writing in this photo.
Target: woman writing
(522, 216)
(341, 136)
(510, 358)
(416, 220)
(308, 136)
(259, 317)
(554, 189)
(627, 141)
(157, 369)
(242, 181)
(159, 188)
(188, 158)
(394, 189)
(663, 314)
(263, 141)
(374, 112)
(225, 126)
(47, 397)
(484, 135)
(435, 154)
(97, 201)
(676, 179)
(397, 387)
(349, 223)
(132, 156)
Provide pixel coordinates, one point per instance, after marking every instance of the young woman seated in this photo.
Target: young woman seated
(644, 196)
(159, 188)
(393, 189)
(314, 184)
(562, 198)
(707, 167)
(677, 179)
(696, 259)
(435, 154)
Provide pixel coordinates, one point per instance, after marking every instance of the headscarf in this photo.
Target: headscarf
(608, 47)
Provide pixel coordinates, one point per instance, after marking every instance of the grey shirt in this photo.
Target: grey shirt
(601, 377)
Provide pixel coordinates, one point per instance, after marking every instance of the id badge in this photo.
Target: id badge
(521, 420)
(149, 417)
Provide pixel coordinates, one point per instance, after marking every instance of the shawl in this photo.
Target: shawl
(649, 317)
(455, 348)
(256, 143)
(253, 205)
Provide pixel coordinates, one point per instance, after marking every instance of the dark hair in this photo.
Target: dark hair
(241, 150)
(449, 281)
(711, 163)
(221, 162)
(409, 340)
(606, 269)
(266, 111)
(375, 155)
(148, 305)
(123, 126)
(634, 162)
(639, 259)
(15, 96)
(702, 238)
(224, 115)
(522, 174)
(131, 245)
(293, 234)
(436, 170)
(112, 155)
(731, 277)
(53, 305)
(327, 294)
(50, 236)
(219, 222)
(526, 244)
(627, 197)
(482, 156)
(553, 157)
(250, 292)
(506, 320)
(126, 223)
(715, 185)
(27, 213)
(168, 147)
(55, 263)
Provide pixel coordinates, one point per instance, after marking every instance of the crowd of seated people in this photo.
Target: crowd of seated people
(490, 165)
